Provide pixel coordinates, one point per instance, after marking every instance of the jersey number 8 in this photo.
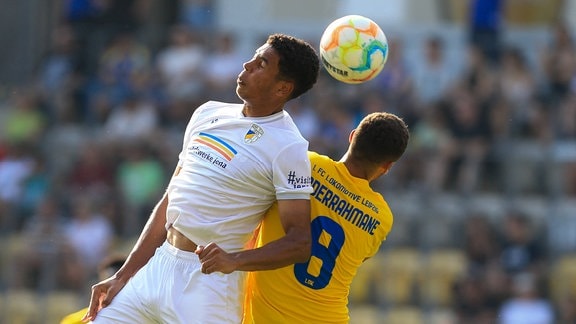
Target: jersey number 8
(325, 252)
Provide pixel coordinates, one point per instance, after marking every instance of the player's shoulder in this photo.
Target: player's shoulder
(284, 128)
(317, 157)
(211, 110)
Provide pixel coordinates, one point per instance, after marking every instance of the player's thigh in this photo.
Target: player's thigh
(124, 308)
(213, 298)
(137, 302)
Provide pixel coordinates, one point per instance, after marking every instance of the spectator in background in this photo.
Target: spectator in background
(141, 180)
(3, 148)
(180, 66)
(372, 102)
(101, 96)
(522, 251)
(305, 118)
(93, 171)
(434, 74)
(89, 235)
(24, 121)
(539, 123)
(122, 58)
(149, 88)
(16, 166)
(517, 82)
(565, 121)
(479, 295)
(467, 123)
(221, 68)
(83, 16)
(566, 309)
(58, 78)
(558, 61)
(481, 243)
(478, 76)
(431, 140)
(117, 17)
(198, 14)
(526, 305)
(119, 20)
(497, 287)
(35, 186)
(470, 302)
(565, 133)
(513, 110)
(97, 22)
(46, 260)
(485, 26)
(334, 127)
(124, 61)
(134, 119)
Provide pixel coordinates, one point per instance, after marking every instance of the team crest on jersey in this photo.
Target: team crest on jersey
(253, 134)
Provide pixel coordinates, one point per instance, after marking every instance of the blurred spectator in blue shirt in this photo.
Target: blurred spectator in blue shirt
(485, 24)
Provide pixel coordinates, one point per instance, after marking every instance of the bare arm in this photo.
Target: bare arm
(152, 236)
(292, 248)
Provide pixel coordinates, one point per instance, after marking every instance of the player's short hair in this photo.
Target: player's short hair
(380, 137)
(298, 62)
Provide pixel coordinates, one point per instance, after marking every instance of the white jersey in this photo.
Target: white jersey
(233, 169)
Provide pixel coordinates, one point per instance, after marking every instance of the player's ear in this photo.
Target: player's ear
(386, 166)
(351, 135)
(285, 88)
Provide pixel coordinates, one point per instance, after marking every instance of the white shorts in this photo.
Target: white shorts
(171, 288)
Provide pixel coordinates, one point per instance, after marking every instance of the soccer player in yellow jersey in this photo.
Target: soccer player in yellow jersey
(349, 221)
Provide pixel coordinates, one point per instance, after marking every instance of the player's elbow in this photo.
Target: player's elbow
(304, 249)
(298, 242)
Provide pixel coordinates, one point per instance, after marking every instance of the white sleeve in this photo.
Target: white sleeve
(292, 174)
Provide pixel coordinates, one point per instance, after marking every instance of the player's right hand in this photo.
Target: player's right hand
(102, 295)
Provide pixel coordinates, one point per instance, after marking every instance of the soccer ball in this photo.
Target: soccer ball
(353, 49)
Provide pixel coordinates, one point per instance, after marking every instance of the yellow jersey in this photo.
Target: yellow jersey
(349, 221)
(75, 318)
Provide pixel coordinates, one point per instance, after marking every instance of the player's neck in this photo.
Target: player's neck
(355, 168)
(261, 111)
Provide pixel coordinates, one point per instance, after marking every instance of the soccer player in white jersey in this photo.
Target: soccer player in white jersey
(189, 263)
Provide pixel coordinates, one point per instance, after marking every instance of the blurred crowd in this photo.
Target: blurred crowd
(88, 146)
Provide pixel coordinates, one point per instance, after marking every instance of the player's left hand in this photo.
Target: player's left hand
(214, 258)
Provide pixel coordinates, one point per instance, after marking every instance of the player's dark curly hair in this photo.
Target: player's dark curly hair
(298, 62)
(380, 137)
